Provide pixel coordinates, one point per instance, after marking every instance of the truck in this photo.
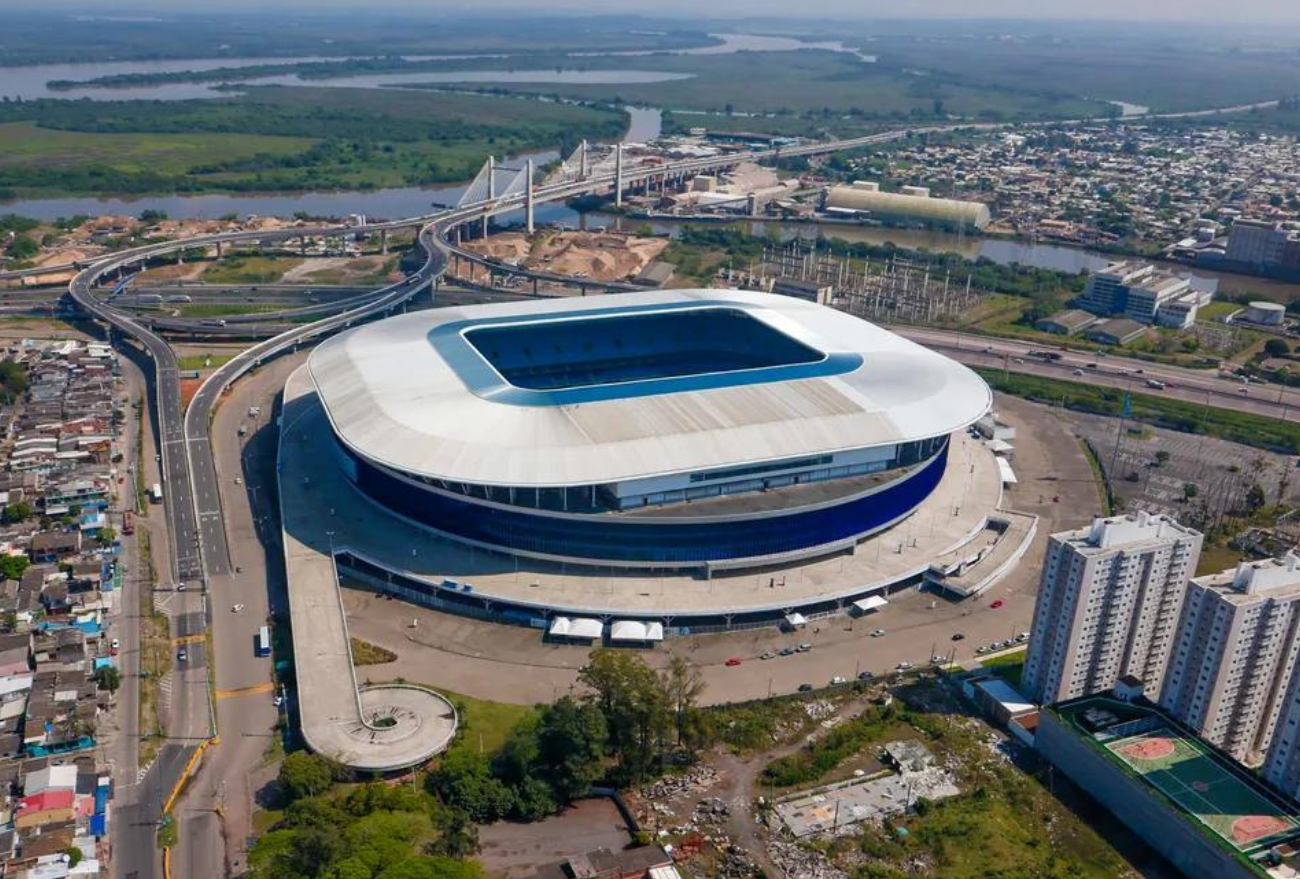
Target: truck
(1155, 383)
(155, 494)
(128, 522)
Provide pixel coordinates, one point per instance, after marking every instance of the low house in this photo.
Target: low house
(1067, 323)
(1117, 331)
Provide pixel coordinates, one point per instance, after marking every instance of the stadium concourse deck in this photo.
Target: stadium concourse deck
(374, 729)
(323, 511)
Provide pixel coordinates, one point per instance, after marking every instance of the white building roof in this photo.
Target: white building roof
(393, 399)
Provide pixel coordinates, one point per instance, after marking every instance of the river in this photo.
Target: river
(31, 82)
(1003, 251)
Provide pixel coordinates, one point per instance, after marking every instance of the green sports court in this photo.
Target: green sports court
(1198, 781)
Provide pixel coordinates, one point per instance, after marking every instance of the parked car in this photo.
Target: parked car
(236, 608)
(788, 651)
(958, 636)
(804, 647)
(733, 661)
(838, 679)
(996, 604)
(115, 644)
(805, 688)
(980, 651)
(903, 666)
(768, 655)
(938, 659)
(864, 675)
(181, 655)
(877, 633)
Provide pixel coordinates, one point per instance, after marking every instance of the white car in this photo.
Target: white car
(903, 666)
(877, 633)
(236, 608)
(837, 680)
(277, 701)
(115, 644)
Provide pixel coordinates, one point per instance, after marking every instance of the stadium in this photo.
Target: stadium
(687, 430)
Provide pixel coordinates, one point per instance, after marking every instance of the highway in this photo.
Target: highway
(1206, 387)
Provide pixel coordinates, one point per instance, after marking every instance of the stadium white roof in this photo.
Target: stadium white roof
(394, 399)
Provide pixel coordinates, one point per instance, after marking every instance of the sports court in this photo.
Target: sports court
(1199, 782)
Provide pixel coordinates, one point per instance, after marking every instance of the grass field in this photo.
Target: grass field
(1008, 666)
(23, 144)
(249, 269)
(812, 85)
(1255, 431)
(203, 361)
(277, 138)
(1186, 773)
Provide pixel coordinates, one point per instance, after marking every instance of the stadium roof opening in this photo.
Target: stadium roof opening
(584, 350)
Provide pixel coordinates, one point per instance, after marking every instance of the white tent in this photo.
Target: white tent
(1008, 475)
(586, 629)
(871, 602)
(627, 630)
(654, 631)
(559, 627)
(795, 620)
(1000, 447)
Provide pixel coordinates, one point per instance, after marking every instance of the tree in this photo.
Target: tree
(107, 535)
(12, 566)
(305, 775)
(1255, 497)
(1190, 490)
(1277, 348)
(17, 512)
(457, 837)
(683, 685)
(108, 678)
(1162, 458)
(636, 709)
(463, 780)
(571, 747)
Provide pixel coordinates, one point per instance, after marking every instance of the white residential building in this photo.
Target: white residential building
(1231, 666)
(1108, 604)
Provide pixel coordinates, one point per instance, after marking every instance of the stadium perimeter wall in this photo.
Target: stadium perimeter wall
(1136, 804)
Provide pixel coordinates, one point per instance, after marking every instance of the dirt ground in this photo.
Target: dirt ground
(511, 850)
(602, 256)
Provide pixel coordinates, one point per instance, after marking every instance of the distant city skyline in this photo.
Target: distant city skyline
(1243, 12)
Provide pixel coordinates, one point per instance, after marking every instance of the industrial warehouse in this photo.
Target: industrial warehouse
(703, 456)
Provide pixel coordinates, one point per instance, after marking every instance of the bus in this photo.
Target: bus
(264, 641)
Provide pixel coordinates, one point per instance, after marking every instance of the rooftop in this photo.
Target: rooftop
(540, 394)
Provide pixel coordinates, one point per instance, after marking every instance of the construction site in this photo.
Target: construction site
(599, 256)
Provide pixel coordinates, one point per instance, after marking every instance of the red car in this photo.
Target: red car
(995, 605)
(733, 661)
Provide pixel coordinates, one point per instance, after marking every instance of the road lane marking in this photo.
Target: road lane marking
(265, 687)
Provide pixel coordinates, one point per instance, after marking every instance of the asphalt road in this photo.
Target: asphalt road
(1194, 386)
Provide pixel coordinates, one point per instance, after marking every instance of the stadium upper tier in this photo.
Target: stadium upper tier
(668, 427)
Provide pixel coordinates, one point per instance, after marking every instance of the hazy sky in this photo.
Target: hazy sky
(1243, 12)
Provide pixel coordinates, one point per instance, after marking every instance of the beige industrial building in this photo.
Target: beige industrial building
(1108, 605)
(913, 205)
(1237, 645)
